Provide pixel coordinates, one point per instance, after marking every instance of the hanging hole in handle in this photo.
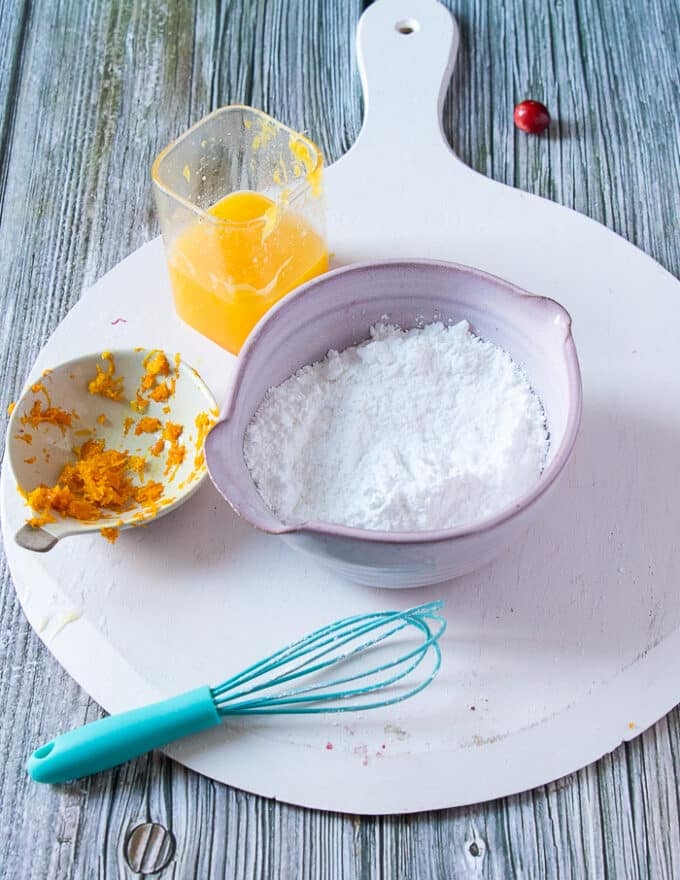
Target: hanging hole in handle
(407, 26)
(43, 751)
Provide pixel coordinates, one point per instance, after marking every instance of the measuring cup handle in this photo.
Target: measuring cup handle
(406, 52)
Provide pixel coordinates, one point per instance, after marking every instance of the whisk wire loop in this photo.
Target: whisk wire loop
(304, 669)
(300, 648)
(367, 622)
(340, 634)
(321, 650)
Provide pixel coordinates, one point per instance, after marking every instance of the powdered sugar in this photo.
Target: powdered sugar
(421, 429)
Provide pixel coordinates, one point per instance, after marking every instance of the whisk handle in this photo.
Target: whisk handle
(119, 738)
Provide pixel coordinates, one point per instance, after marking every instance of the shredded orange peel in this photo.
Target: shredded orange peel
(148, 425)
(51, 415)
(106, 383)
(104, 482)
(96, 484)
(110, 533)
(204, 423)
(176, 451)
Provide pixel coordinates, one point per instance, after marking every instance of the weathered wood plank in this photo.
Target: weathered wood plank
(88, 94)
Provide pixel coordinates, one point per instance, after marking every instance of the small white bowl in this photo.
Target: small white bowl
(40, 459)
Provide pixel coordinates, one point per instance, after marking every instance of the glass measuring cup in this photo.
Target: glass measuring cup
(242, 213)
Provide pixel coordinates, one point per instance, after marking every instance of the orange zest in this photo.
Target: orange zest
(139, 404)
(147, 425)
(111, 534)
(156, 363)
(51, 415)
(176, 452)
(97, 483)
(106, 383)
(172, 431)
(157, 447)
(157, 383)
(204, 422)
(161, 392)
(149, 494)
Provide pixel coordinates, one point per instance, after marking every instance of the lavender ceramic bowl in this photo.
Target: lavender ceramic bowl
(336, 311)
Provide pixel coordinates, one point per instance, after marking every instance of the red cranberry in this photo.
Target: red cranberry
(532, 116)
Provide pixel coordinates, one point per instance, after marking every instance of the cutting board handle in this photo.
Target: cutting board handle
(406, 54)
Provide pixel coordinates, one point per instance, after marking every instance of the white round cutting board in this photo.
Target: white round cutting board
(555, 653)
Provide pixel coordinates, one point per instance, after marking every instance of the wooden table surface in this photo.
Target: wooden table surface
(89, 92)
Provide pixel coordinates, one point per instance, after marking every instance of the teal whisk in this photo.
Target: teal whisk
(375, 664)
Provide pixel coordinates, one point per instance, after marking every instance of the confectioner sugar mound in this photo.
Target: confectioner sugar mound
(411, 430)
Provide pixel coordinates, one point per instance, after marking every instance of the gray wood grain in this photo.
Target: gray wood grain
(88, 93)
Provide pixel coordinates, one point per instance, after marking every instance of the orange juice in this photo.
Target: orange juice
(229, 267)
